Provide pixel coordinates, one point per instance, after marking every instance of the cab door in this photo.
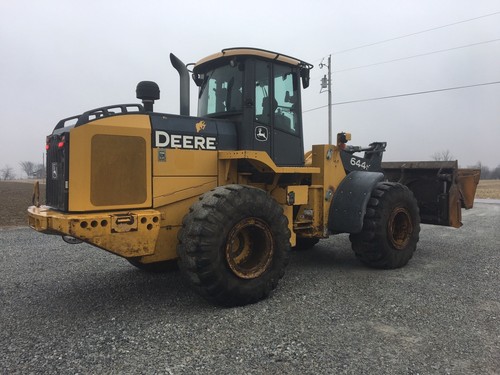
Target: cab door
(288, 146)
(277, 128)
(262, 114)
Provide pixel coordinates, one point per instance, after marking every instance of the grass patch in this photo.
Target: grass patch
(488, 189)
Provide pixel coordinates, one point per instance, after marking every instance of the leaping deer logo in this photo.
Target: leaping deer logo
(261, 133)
(200, 126)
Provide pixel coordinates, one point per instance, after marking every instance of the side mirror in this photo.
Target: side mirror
(198, 79)
(304, 74)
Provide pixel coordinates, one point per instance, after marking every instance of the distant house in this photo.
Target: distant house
(39, 173)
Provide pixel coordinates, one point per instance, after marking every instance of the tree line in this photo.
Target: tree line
(486, 172)
(32, 170)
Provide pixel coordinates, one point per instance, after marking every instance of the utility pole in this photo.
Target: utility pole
(326, 83)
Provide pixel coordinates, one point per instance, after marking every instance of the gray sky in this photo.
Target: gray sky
(61, 58)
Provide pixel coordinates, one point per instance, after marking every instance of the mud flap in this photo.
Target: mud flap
(441, 189)
(349, 202)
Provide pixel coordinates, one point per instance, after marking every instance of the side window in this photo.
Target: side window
(222, 91)
(285, 95)
(263, 109)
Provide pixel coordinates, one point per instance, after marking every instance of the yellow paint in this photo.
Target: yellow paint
(227, 172)
(80, 156)
(327, 159)
(171, 222)
(102, 229)
(166, 248)
(299, 193)
(288, 212)
(175, 186)
(168, 190)
(250, 51)
(185, 163)
(263, 162)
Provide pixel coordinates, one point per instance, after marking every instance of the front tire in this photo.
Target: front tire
(391, 227)
(234, 245)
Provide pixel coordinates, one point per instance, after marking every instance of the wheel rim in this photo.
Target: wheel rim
(249, 248)
(400, 228)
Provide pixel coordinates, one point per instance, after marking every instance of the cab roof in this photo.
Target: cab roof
(249, 51)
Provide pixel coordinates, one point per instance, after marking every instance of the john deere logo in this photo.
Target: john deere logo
(54, 171)
(187, 141)
(200, 126)
(261, 133)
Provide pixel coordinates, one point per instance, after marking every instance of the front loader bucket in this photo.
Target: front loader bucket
(467, 183)
(441, 189)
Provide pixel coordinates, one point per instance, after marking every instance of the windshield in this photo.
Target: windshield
(221, 91)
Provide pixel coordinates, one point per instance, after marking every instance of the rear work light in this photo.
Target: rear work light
(61, 142)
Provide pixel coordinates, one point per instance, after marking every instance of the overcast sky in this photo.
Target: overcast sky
(61, 58)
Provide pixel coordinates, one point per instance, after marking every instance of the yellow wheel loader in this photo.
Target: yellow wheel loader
(227, 193)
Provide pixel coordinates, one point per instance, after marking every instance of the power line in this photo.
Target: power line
(402, 95)
(412, 34)
(414, 56)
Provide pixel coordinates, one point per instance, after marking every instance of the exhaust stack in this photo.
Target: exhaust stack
(184, 84)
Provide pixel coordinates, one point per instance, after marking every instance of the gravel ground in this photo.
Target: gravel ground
(76, 309)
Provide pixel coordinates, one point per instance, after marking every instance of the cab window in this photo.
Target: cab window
(263, 109)
(285, 98)
(221, 91)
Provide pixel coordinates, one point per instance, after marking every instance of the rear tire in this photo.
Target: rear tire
(234, 245)
(391, 227)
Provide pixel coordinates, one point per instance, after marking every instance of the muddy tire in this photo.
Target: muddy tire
(304, 243)
(234, 245)
(391, 227)
(158, 267)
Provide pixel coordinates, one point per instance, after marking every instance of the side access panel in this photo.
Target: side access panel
(441, 189)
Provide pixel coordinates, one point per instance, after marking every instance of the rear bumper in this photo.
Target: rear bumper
(128, 234)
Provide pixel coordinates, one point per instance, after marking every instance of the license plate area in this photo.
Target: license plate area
(122, 223)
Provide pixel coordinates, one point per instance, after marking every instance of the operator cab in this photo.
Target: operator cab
(259, 90)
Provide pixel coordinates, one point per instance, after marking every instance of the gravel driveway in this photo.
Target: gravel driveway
(76, 309)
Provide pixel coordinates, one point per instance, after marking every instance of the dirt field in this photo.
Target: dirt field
(15, 197)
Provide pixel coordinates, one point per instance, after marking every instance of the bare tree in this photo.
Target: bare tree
(28, 167)
(495, 173)
(442, 156)
(486, 173)
(39, 171)
(7, 173)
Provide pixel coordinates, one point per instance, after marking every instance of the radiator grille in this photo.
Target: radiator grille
(118, 170)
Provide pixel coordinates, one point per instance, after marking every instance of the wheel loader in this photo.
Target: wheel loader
(226, 194)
